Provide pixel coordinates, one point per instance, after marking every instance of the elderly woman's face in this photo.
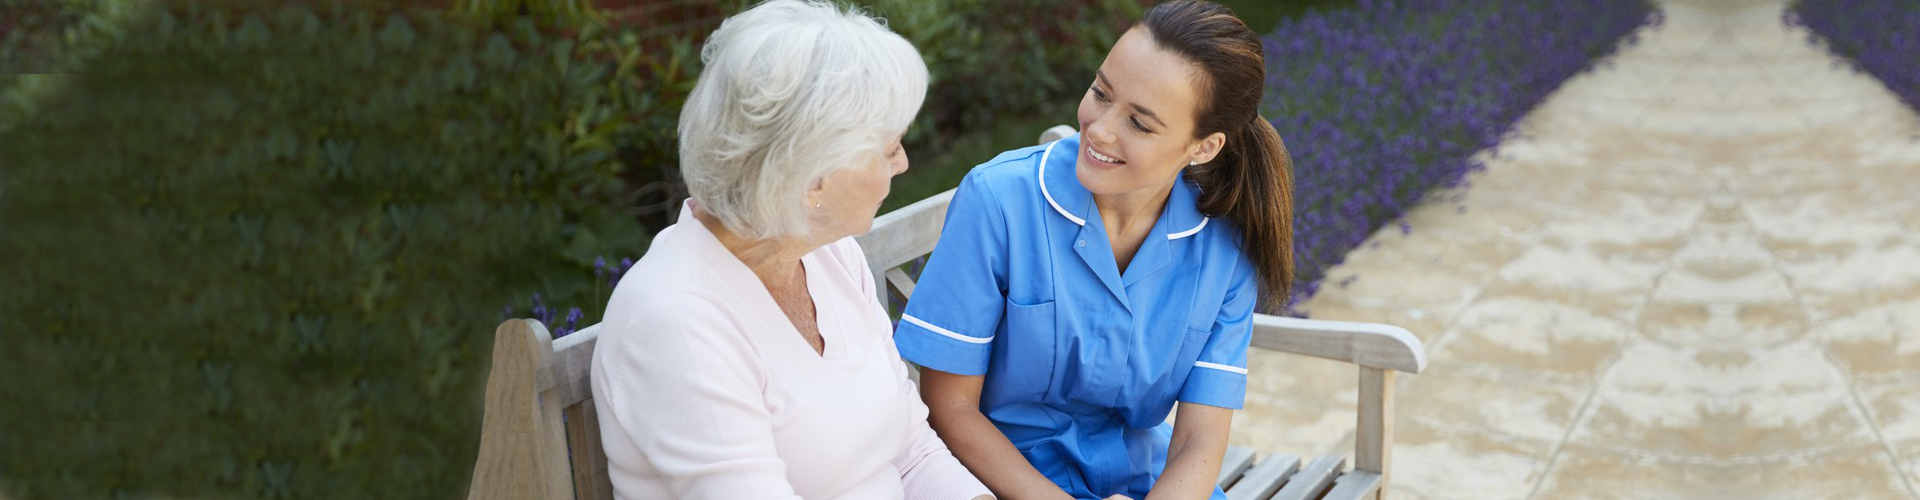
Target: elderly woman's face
(1137, 119)
(850, 197)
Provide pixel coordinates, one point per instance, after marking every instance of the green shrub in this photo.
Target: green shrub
(992, 58)
(258, 253)
(988, 60)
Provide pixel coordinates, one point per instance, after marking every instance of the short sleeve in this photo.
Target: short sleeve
(1219, 377)
(950, 321)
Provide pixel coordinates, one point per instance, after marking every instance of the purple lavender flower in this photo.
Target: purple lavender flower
(626, 264)
(544, 314)
(1382, 103)
(540, 310)
(1877, 37)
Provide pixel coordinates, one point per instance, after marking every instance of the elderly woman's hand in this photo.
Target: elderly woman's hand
(1117, 496)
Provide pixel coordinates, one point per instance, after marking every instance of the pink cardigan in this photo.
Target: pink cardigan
(706, 391)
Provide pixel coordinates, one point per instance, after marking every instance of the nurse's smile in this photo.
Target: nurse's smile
(1095, 159)
(1138, 114)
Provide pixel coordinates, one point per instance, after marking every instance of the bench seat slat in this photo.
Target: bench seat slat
(1263, 479)
(1354, 485)
(1234, 465)
(1313, 480)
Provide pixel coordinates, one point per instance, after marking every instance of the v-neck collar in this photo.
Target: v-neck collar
(1060, 185)
(747, 287)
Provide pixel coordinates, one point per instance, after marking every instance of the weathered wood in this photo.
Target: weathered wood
(1262, 480)
(1366, 344)
(905, 234)
(522, 454)
(590, 479)
(1234, 465)
(1312, 480)
(1056, 133)
(554, 462)
(1373, 436)
(1357, 485)
(901, 282)
(566, 382)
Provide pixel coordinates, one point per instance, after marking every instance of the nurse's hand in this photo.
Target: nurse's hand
(1119, 497)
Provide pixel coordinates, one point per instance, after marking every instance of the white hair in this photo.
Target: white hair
(792, 91)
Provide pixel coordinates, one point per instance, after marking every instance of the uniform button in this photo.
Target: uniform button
(1080, 243)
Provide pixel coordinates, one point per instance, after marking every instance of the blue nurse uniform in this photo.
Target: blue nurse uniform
(1082, 362)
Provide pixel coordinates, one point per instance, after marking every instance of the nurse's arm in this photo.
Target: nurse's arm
(1193, 457)
(953, 405)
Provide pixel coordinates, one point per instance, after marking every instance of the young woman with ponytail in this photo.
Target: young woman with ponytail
(1082, 288)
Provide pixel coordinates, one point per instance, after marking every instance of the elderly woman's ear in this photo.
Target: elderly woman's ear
(816, 191)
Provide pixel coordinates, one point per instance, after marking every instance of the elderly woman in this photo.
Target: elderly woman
(746, 356)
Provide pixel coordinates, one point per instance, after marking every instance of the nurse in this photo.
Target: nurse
(1082, 288)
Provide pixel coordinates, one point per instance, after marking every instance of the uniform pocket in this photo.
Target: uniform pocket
(1025, 367)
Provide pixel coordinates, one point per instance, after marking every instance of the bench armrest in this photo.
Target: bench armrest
(1371, 345)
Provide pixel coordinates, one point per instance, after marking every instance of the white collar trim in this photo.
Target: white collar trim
(1076, 219)
(1043, 187)
(1190, 232)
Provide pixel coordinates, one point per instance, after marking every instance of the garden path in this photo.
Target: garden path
(1695, 275)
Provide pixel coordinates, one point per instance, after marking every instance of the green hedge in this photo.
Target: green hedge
(259, 253)
(988, 61)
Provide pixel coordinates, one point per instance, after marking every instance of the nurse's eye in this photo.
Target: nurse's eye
(1098, 95)
(1138, 126)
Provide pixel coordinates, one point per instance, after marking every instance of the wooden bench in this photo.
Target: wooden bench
(540, 437)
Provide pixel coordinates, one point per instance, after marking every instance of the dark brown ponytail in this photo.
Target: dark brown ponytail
(1250, 183)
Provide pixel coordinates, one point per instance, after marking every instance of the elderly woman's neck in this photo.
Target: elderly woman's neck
(774, 260)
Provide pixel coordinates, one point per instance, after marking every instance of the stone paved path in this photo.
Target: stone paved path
(1696, 276)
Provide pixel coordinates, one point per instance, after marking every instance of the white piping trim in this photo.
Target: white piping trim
(949, 333)
(1221, 367)
(1043, 187)
(1190, 232)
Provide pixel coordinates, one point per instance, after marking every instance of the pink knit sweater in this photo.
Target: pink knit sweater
(706, 391)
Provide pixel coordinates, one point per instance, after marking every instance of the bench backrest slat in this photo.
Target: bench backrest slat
(903, 235)
(572, 360)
